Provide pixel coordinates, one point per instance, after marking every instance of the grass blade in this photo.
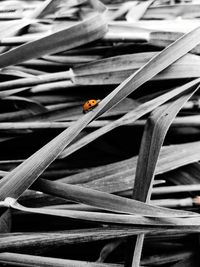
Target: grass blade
(26, 173)
(98, 199)
(79, 34)
(29, 260)
(130, 117)
(112, 217)
(21, 241)
(137, 12)
(119, 177)
(153, 138)
(103, 200)
(111, 71)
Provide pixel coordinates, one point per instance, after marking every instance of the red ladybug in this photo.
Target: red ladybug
(90, 104)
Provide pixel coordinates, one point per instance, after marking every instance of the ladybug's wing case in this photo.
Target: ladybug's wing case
(86, 107)
(89, 105)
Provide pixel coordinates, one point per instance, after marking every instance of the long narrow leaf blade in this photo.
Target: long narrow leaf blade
(79, 34)
(153, 138)
(26, 173)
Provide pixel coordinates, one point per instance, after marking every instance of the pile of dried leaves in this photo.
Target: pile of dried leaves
(119, 185)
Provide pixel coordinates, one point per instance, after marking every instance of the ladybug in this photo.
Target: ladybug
(90, 104)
